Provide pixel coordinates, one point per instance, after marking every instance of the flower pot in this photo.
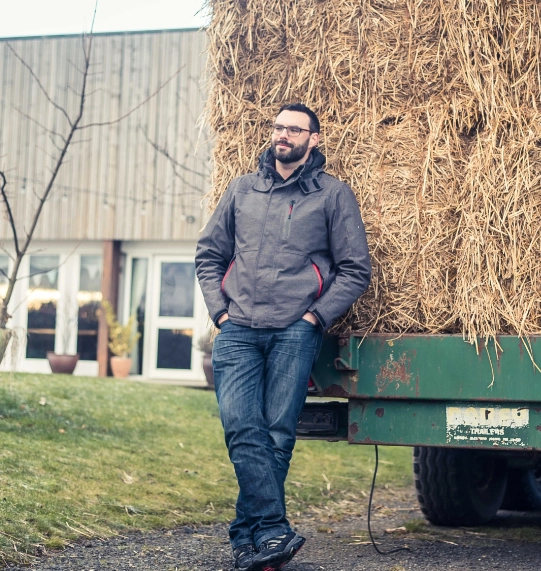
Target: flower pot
(208, 370)
(120, 366)
(62, 364)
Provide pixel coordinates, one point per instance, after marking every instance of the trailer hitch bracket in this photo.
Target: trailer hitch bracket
(342, 365)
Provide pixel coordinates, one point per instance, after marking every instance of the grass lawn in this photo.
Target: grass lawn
(95, 457)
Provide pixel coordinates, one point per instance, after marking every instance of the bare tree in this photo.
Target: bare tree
(21, 244)
(73, 123)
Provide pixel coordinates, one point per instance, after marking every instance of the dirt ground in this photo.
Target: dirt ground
(337, 543)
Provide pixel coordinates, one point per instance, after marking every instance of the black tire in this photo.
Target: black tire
(458, 487)
(523, 492)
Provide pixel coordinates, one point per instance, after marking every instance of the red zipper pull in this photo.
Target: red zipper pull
(291, 205)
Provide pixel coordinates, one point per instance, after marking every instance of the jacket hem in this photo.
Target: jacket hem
(322, 322)
(217, 317)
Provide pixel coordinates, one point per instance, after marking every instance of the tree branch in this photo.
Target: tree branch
(134, 109)
(35, 121)
(174, 162)
(3, 184)
(8, 253)
(60, 160)
(36, 78)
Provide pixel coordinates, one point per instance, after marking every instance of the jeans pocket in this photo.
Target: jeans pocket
(223, 323)
(309, 322)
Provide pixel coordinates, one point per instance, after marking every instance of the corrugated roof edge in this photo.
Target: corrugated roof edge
(125, 33)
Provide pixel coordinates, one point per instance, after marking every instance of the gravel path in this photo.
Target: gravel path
(333, 543)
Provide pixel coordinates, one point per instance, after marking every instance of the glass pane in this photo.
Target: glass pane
(88, 302)
(42, 303)
(177, 287)
(4, 268)
(139, 272)
(174, 349)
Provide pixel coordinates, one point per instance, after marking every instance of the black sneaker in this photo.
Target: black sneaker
(277, 551)
(244, 557)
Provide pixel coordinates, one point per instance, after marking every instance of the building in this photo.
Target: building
(125, 211)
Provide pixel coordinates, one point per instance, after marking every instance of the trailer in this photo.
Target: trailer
(471, 414)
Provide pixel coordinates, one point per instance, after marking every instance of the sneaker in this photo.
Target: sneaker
(276, 552)
(244, 556)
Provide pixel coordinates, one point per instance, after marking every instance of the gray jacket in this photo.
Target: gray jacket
(274, 249)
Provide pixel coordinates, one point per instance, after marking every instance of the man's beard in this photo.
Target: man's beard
(290, 155)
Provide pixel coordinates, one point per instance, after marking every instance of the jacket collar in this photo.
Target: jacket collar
(306, 175)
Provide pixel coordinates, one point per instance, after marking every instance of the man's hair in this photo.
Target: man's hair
(314, 121)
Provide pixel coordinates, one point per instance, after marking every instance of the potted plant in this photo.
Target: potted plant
(64, 363)
(205, 346)
(122, 340)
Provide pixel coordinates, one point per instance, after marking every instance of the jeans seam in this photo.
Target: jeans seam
(237, 545)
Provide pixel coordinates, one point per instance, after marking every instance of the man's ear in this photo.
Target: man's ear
(314, 140)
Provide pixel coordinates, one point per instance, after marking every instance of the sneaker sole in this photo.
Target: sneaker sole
(289, 558)
(280, 564)
(251, 567)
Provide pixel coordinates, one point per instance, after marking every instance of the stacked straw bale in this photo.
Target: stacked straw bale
(430, 110)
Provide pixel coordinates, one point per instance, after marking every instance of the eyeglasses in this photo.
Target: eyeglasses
(291, 131)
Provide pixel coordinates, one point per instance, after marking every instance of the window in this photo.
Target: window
(177, 282)
(177, 289)
(174, 349)
(88, 302)
(42, 304)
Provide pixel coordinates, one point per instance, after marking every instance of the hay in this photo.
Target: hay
(430, 111)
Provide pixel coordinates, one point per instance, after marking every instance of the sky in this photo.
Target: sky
(51, 17)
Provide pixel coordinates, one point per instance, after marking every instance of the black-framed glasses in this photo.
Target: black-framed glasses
(293, 131)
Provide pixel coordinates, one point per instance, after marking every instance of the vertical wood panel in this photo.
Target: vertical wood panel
(128, 224)
(115, 161)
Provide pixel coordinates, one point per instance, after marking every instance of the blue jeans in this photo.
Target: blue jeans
(261, 378)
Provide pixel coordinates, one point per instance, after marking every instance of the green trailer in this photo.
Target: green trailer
(471, 414)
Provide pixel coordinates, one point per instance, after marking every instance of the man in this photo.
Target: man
(283, 255)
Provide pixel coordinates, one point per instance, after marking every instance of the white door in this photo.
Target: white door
(173, 321)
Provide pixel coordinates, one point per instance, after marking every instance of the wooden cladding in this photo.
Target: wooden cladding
(116, 182)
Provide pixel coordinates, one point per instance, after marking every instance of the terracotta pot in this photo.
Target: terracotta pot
(207, 368)
(121, 367)
(62, 364)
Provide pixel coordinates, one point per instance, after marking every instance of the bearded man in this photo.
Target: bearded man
(283, 255)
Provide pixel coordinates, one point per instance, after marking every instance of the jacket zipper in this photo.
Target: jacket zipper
(287, 225)
(291, 205)
(227, 273)
(319, 279)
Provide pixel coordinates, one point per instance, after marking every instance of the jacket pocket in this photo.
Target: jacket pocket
(231, 264)
(319, 278)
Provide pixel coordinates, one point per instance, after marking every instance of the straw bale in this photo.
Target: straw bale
(430, 111)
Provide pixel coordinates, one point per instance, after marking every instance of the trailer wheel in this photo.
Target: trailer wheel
(457, 487)
(523, 491)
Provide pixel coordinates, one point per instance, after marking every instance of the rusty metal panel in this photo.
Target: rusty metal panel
(114, 184)
(430, 367)
(512, 426)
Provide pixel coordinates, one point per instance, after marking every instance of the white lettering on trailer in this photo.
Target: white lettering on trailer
(496, 426)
